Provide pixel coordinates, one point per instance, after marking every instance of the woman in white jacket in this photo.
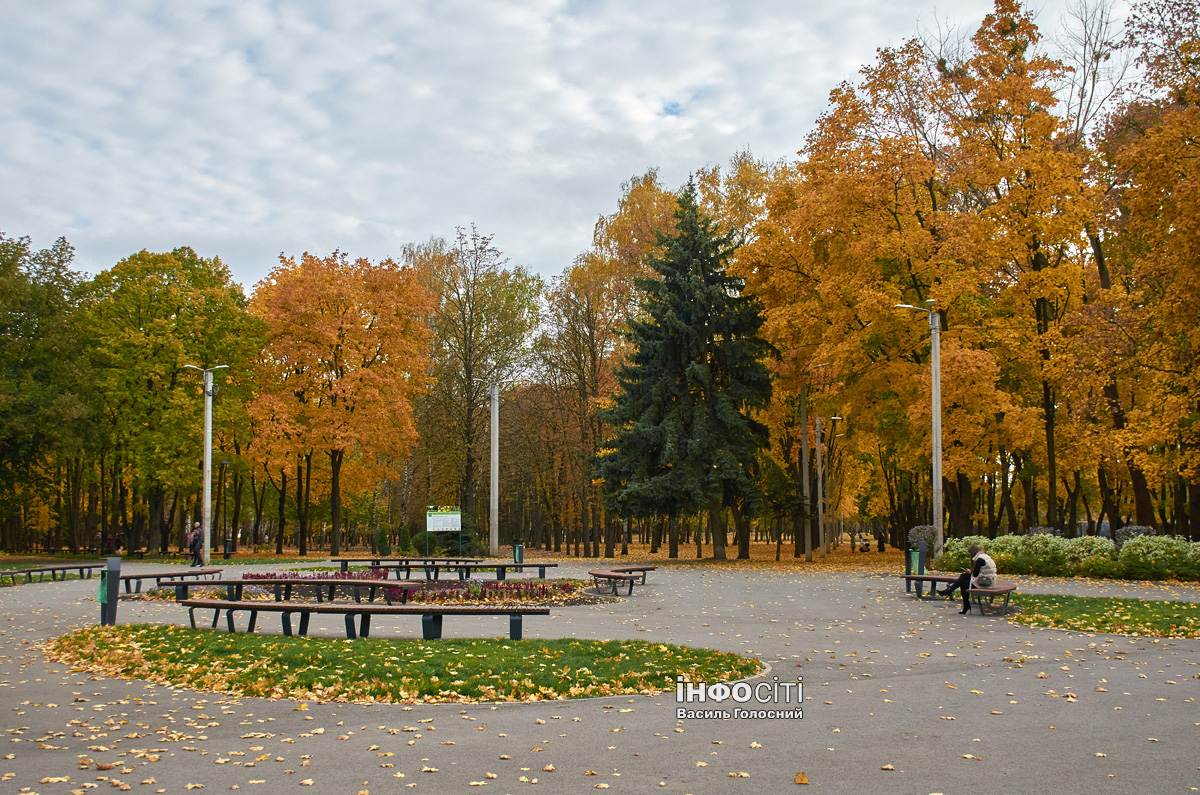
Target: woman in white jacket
(981, 575)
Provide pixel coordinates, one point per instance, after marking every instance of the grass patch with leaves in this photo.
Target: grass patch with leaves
(1156, 619)
(390, 670)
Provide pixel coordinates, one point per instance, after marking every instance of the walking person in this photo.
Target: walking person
(195, 545)
(982, 575)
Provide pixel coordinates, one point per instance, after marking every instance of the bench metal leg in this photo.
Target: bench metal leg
(229, 620)
(287, 623)
(431, 626)
(514, 626)
(253, 620)
(181, 592)
(192, 616)
(350, 634)
(501, 571)
(304, 624)
(364, 625)
(541, 572)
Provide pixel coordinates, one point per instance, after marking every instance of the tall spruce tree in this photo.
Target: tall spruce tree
(686, 439)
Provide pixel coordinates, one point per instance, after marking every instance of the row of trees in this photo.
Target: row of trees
(1044, 201)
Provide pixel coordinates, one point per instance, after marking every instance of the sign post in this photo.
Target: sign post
(443, 519)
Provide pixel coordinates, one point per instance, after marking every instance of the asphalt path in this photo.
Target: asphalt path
(900, 695)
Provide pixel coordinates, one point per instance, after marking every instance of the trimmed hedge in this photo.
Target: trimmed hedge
(1142, 557)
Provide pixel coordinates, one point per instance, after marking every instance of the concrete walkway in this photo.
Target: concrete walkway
(946, 703)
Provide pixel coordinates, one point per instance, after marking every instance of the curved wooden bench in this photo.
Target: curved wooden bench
(610, 579)
(1001, 588)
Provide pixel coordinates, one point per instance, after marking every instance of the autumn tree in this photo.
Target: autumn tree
(482, 320)
(348, 346)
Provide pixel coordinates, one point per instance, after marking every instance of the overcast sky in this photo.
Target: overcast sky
(249, 128)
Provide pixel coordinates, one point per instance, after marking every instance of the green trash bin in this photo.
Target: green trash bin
(914, 561)
(518, 551)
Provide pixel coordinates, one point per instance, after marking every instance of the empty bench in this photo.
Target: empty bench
(431, 615)
(53, 571)
(133, 582)
(609, 579)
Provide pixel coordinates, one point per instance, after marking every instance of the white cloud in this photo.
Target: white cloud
(248, 128)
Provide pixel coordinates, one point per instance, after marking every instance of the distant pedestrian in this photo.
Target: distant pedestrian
(196, 544)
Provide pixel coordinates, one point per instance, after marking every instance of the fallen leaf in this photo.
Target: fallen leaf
(801, 778)
(887, 767)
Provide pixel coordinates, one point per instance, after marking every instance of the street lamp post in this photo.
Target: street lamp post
(935, 378)
(820, 494)
(494, 501)
(206, 506)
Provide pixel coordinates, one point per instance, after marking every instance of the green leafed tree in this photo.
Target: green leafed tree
(686, 435)
(151, 314)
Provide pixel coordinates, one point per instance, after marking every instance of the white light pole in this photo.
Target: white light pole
(206, 506)
(804, 472)
(494, 502)
(935, 378)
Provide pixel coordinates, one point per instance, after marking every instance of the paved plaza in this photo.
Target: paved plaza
(900, 695)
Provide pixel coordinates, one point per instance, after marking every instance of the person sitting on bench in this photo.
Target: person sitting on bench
(981, 575)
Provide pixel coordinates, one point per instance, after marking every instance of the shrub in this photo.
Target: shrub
(1085, 547)
(1148, 557)
(922, 532)
(404, 540)
(383, 542)
(1044, 545)
(1131, 531)
(419, 543)
(1100, 566)
(1004, 545)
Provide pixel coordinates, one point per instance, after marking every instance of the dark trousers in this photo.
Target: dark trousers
(963, 583)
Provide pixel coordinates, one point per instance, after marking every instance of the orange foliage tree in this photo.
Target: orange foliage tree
(347, 351)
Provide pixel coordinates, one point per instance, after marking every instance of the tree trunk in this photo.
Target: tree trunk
(282, 488)
(1194, 511)
(673, 537)
(716, 529)
(335, 501)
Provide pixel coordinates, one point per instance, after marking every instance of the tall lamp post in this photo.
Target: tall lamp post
(494, 496)
(206, 506)
(935, 378)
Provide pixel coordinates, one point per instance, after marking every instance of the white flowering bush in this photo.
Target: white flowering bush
(1080, 549)
(1043, 530)
(1147, 557)
(1004, 545)
(1043, 545)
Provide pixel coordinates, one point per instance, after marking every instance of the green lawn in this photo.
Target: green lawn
(391, 670)
(1110, 615)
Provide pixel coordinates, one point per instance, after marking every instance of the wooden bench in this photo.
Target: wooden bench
(398, 563)
(283, 586)
(634, 570)
(431, 615)
(1001, 588)
(464, 569)
(610, 579)
(165, 576)
(54, 571)
(919, 581)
